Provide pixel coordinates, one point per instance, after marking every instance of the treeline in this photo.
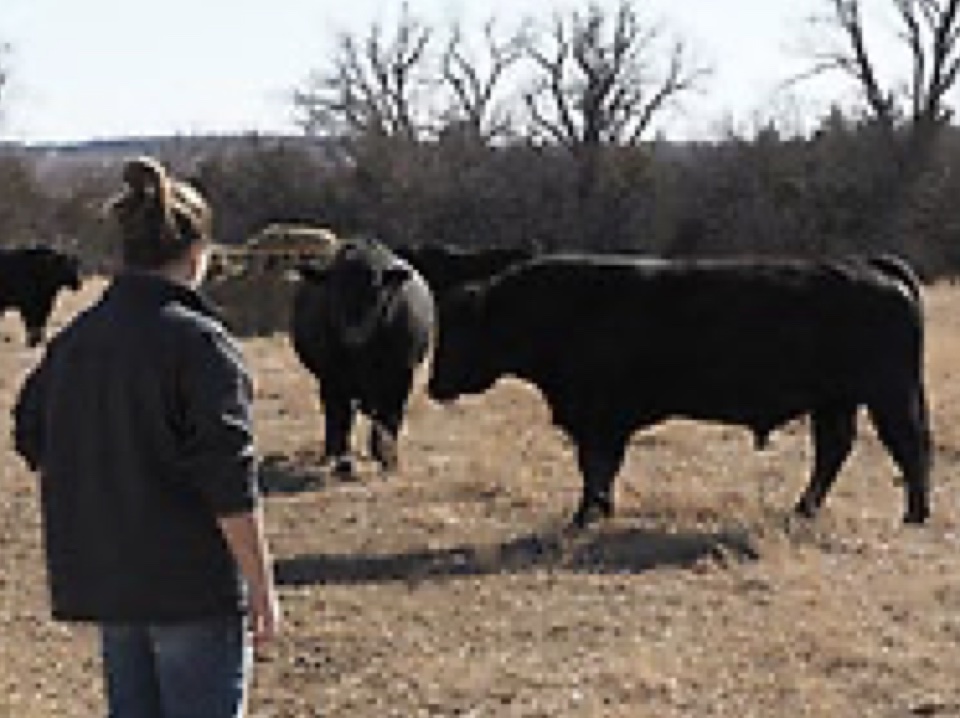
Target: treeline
(838, 191)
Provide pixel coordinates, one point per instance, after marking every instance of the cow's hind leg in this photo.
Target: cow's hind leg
(383, 442)
(387, 420)
(903, 426)
(833, 431)
(599, 463)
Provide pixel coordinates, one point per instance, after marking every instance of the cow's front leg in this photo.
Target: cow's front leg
(599, 462)
(339, 414)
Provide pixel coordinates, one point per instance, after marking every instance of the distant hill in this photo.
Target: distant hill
(59, 163)
(113, 147)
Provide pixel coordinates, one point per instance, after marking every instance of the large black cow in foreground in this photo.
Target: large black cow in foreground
(30, 279)
(617, 344)
(446, 266)
(362, 325)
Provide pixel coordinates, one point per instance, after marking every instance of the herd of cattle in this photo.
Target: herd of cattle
(613, 343)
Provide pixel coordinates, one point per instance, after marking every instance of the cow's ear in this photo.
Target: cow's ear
(311, 273)
(395, 276)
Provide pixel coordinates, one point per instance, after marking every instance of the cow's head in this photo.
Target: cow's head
(360, 284)
(47, 271)
(463, 358)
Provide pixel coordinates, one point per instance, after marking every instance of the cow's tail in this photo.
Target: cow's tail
(899, 270)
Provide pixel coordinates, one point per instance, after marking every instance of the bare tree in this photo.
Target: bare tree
(601, 78)
(930, 32)
(374, 87)
(906, 115)
(604, 78)
(478, 103)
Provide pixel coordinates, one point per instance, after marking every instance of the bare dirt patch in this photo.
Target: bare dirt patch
(452, 589)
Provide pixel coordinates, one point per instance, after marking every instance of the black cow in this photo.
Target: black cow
(616, 344)
(30, 279)
(362, 325)
(446, 266)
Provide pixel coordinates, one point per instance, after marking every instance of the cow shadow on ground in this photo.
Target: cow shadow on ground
(307, 471)
(279, 474)
(623, 550)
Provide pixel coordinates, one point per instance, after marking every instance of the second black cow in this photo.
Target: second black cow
(362, 325)
(30, 280)
(618, 344)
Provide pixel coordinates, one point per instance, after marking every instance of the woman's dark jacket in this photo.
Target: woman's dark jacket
(138, 422)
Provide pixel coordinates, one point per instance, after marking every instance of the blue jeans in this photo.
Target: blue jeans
(198, 669)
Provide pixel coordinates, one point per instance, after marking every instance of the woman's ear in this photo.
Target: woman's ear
(198, 255)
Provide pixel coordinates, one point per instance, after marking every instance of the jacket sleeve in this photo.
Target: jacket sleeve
(28, 418)
(218, 456)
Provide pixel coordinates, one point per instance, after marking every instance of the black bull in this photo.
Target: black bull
(616, 344)
(362, 325)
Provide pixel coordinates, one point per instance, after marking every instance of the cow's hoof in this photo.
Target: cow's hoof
(389, 462)
(342, 467)
(383, 448)
(387, 470)
(805, 509)
(587, 515)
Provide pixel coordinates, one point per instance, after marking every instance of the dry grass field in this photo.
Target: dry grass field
(450, 589)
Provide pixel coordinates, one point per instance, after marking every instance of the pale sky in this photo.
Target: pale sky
(101, 68)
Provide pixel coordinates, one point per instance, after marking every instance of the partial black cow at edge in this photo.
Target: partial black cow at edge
(362, 324)
(446, 266)
(30, 279)
(616, 344)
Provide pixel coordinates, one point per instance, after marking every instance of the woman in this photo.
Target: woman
(138, 421)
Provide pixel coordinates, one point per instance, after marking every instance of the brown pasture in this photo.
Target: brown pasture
(451, 590)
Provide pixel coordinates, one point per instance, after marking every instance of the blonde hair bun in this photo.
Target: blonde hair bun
(159, 217)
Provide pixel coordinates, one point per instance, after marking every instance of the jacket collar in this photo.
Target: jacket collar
(157, 290)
